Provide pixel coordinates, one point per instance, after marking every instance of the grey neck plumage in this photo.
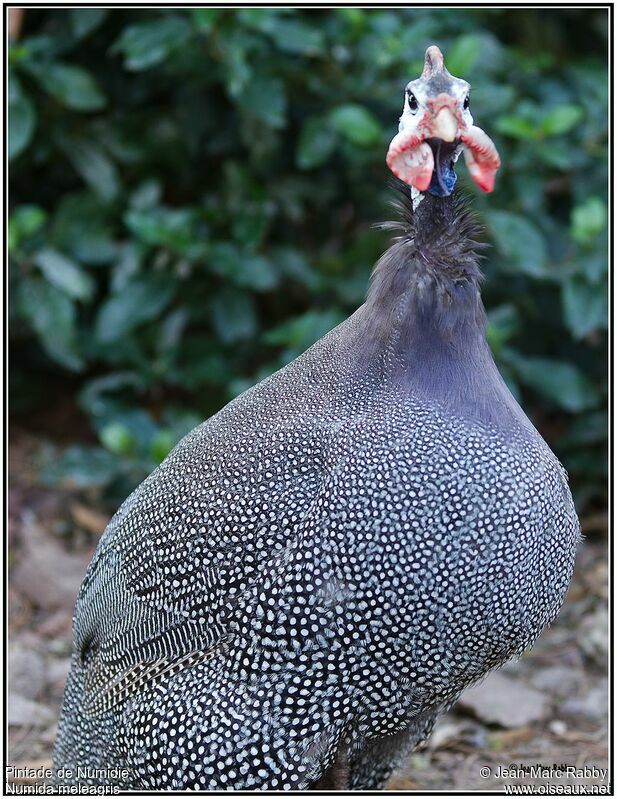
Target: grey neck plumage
(428, 280)
(424, 319)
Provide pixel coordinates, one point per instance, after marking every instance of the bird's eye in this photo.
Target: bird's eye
(413, 103)
(466, 103)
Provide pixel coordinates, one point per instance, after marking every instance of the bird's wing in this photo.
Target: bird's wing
(163, 589)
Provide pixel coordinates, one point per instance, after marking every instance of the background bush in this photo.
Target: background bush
(192, 193)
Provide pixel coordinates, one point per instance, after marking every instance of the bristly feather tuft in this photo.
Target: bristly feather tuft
(401, 203)
(444, 231)
(430, 275)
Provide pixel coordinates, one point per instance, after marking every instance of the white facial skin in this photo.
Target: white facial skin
(419, 89)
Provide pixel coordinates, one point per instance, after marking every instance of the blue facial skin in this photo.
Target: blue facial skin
(442, 184)
(444, 176)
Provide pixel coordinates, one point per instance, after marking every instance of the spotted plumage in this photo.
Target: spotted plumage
(319, 570)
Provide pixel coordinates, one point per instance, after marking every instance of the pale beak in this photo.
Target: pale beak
(445, 125)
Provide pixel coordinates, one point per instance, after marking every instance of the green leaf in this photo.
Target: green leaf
(317, 141)
(464, 53)
(179, 229)
(15, 90)
(149, 43)
(72, 86)
(234, 316)
(517, 127)
(503, 324)
(557, 154)
(591, 428)
(180, 421)
(202, 365)
(141, 300)
(588, 219)
(117, 438)
(138, 423)
(561, 119)
(353, 17)
(205, 18)
(97, 170)
(356, 124)
(84, 21)
(237, 70)
(252, 271)
(162, 444)
(257, 272)
(146, 195)
(289, 35)
(292, 36)
(294, 264)
(559, 381)
(65, 274)
(22, 122)
(126, 267)
(51, 314)
(495, 99)
(301, 332)
(24, 222)
(249, 227)
(594, 264)
(99, 395)
(268, 101)
(80, 227)
(521, 244)
(585, 306)
(170, 331)
(82, 467)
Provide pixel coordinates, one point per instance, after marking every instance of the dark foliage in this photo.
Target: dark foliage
(192, 194)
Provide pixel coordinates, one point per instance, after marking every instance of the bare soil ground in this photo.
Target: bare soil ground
(538, 722)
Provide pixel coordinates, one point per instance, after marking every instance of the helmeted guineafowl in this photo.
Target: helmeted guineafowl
(316, 572)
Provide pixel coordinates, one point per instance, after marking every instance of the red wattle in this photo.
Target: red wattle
(411, 160)
(481, 157)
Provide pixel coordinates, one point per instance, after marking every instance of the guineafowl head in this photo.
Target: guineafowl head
(435, 127)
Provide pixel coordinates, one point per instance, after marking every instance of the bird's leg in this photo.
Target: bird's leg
(341, 772)
(335, 778)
